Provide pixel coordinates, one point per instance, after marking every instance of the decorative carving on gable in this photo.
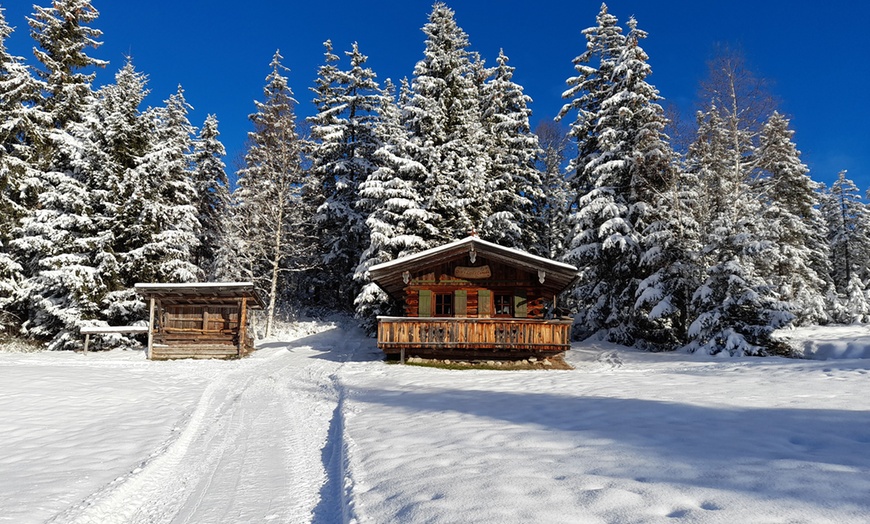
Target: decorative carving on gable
(473, 273)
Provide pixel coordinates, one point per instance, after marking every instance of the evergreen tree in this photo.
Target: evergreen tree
(342, 158)
(630, 168)
(397, 223)
(123, 136)
(847, 233)
(586, 92)
(272, 236)
(211, 187)
(65, 254)
(23, 126)
(550, 209)
(62, 34)
(513, 181)
(799, 269)
(736, 310)
(165, 237)
(447, 136)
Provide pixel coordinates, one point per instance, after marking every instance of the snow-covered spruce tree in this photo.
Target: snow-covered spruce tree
(513, 181)
(799, 269)
(165, 238)
(23, 127)
(272, 236)
(671, 244)
(551, 209)
(848, 235)
(397, 222)
(64, 254)
(631, 167)
(211, 187)
(736, 310)
(586, 91)
(447, 136)
(122, 136)
(341, 155)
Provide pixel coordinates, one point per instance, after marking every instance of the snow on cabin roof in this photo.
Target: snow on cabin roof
(190, 292)
(476, 242)
(556, 275)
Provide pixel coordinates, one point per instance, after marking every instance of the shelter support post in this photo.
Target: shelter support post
(87, 341)
(243, 325)
(150, 329)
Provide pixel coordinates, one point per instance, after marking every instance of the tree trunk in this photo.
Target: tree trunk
(276, 263)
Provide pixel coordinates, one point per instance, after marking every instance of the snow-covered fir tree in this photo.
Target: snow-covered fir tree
(211, 187)
(848, 235)
(23, 127)
(513, 182)
(165, 237)
(799, 269)
(341, 155)
(447, 135)
(586, 92)
(121, 135)
(64, 253)
(398, 223)
(271, 234)
(736, 309)
(630, 166)
(550, 210)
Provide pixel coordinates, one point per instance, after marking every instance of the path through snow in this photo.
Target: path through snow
(250, 450)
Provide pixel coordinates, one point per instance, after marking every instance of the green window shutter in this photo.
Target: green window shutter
(520, 304)
(484, 301)
(425, 308)
(460, 302)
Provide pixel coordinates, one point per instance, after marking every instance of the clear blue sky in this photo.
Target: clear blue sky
(814, 53)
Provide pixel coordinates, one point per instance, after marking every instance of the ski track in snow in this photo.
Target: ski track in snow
(245, 454)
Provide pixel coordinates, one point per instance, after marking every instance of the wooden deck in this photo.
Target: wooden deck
(473, 338)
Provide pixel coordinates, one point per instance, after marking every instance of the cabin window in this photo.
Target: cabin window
(443, 304)
(504, 305)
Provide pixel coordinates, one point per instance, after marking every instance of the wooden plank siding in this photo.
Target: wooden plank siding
(474, 299)
(199, 320)
(473, 338)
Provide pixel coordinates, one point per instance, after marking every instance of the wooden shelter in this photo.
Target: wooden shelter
(474, 299)
(200, 320)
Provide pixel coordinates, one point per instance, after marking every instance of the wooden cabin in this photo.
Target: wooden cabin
(199, 320)
(472, 299)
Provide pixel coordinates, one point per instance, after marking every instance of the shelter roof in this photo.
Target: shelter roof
(205, 293)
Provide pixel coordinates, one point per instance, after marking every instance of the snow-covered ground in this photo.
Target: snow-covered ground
(318, 429)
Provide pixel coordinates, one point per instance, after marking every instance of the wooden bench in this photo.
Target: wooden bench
(87, 331)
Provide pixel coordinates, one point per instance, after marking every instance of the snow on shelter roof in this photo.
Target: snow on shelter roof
(387, 275)
(200, 292)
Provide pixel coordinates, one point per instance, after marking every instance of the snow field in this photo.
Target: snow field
(626, 437)
(318, 429)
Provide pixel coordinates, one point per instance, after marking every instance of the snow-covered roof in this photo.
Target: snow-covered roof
(223, 292)
(470, 241)
(388, 275)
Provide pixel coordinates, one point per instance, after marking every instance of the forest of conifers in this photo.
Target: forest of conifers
(706, 240)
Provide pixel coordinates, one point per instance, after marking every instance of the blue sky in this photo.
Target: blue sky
(813, 53)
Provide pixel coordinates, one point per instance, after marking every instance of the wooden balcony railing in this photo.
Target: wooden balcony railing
(473, 337)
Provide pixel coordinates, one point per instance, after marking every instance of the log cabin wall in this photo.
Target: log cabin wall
(474, 297)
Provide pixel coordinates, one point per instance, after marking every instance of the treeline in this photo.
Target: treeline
(709, 246)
